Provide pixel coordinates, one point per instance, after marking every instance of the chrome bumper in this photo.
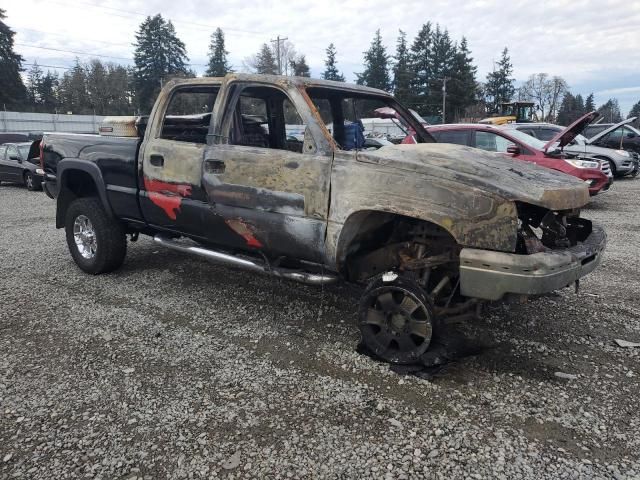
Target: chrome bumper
(490, 275)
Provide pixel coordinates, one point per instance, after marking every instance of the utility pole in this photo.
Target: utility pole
(444, 98)
(277, 42)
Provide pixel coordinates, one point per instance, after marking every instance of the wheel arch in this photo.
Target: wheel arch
(612, 163)
(77, 179)
(364, 224)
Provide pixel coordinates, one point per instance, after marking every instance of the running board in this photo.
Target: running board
(245, 263)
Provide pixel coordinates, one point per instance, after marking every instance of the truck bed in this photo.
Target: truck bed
(116, 158)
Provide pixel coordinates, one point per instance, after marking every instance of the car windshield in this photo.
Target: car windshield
(633, 129)
(526, 139)
(353, 117)
(24, 151)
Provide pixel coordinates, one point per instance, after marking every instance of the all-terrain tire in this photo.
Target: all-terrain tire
(108, 237)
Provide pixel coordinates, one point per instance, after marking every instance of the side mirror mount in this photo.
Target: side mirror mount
(513, 149)
(631, 135)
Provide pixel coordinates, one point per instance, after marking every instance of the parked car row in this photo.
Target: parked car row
(622, 159)
(559, 148)
(18, 164)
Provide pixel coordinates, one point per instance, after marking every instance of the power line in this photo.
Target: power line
(47, 66)
(18, 29)
(70, 51)
(91, 54)
(185, 22)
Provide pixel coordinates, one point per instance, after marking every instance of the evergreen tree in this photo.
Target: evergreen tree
(48, 92)
(402, 70)
(299, 67)
(72, 92)
(589, 104)
(440, 66)
(218, 63)
(421, 52)
(119, 95)
(568, 110)
(376, 60)
(34, 84)
(12, 89)
(579, 106)
(159, 55)
(499, 86)
(635, 111)
(611, 111)
(462, 90)
(331, 71)
(97, 87)
(265, 61)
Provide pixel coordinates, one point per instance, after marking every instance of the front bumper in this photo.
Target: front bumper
(490, 275)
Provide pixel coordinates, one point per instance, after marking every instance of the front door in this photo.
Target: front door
(171, 193)
(12, 165)
(268, 178)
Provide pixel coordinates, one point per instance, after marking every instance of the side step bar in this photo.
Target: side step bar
(245, 263)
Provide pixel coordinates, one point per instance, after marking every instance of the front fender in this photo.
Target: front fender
(474, 218)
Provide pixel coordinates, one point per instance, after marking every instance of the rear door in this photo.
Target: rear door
(266, 176)
(171, 192)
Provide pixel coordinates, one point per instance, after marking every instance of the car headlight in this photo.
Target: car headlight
(624, 153)
(583, 163)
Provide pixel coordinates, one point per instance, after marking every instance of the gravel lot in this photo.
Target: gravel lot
(174, 368)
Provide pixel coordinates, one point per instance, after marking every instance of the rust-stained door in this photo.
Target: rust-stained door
(268, 179)
(171, 192)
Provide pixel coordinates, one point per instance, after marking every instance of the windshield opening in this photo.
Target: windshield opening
(365, 121)
(24, 151)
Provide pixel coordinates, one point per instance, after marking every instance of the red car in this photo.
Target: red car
(519, 145)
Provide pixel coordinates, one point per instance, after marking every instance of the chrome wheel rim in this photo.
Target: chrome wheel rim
(85, 237)
(29, 181)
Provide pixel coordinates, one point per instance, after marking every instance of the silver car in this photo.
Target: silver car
(622, 162)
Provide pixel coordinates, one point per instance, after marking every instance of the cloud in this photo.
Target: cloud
(620, 91)
(588, 42)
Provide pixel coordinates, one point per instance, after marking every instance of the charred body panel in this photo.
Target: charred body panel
(311, 204)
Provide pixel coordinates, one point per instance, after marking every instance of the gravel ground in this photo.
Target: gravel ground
(174, 368)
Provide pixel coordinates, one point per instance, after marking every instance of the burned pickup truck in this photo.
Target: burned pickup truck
(274, 175)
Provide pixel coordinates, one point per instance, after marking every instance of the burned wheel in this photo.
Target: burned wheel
(396, 319)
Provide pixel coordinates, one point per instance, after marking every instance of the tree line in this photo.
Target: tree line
(417, 72)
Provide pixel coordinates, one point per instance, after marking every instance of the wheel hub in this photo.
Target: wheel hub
(396, 324)
(84, 237)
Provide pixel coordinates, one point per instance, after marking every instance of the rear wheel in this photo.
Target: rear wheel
(396, 319)
(97, 242)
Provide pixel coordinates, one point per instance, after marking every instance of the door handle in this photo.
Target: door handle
(215, 167)
(156, 160)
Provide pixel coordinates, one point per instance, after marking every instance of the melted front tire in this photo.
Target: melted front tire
(396, 319)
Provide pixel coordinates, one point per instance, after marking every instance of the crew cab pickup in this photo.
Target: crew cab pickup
(271, 174)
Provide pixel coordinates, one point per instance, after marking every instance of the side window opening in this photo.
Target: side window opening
(265, 117)
(360, 120)
(11, 152)
(188, 114)
(458, 137)
(491, 142)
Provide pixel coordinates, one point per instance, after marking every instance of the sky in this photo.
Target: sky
(594, 45)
